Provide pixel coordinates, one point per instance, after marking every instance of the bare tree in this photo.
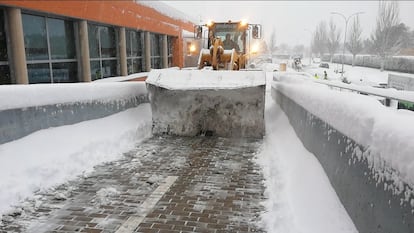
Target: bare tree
(355, 45)
(272, 42)
(284, 48)
(319, 38)
(368, 46)
(406, 38)
(385, 42)
(332, 42)
(299, 49)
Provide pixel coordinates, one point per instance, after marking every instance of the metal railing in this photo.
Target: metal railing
(388, 94)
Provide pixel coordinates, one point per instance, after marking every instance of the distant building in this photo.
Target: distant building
(406, 52)
(81, 41)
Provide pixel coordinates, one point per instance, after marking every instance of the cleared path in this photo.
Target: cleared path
(167, 184)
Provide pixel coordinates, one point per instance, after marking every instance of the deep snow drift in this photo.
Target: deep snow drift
(20, 96)
(386, 133)
(300, 197)
(52, 156)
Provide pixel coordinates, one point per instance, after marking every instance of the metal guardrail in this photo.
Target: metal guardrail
(392, 94)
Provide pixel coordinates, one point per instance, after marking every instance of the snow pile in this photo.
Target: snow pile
(386, 133)
(225, 103)
(300, 198)
(45, 94)
(122, 78)
(52, 156)
(270, 67)
(104, 195)
(205, 79)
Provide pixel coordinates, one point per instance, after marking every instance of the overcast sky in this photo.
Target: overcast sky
(292, 20)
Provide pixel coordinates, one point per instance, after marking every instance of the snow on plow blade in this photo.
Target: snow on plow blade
(205, 102)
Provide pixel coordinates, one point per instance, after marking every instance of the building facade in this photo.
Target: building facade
(81, 41)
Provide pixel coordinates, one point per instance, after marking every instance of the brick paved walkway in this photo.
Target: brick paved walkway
(166, 184)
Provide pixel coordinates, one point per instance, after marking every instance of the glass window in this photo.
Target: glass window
(93, 34)
(170, 45)
(156, 47)
(134, 43)
(170, 50)
(39, 73)
(48, 41)
(108, 42)
(103, 51)
(109, 68)
(156, 62)
(65, 72)
(134, 46)
(5, 75)
(61, 37)
(96, 70)
(35, 41)
(135, 65)
(3, 38)
(4, 64)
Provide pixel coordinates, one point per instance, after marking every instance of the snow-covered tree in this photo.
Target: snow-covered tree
(354, 44)
(332, 42)
(272, 43)
(406, 36)
(319, 38)
(284, 48)
(386, 40)
(368, 46)
(298, 49)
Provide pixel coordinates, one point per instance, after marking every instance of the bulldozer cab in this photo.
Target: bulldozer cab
(233, 35)
(226, 46)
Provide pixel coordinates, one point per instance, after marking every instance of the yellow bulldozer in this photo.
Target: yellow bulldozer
(227, 44)
(225, 103)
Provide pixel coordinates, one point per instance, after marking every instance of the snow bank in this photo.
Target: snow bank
(300, 198)
(122, 78)
(387, 134)
(205, 79)
(381, 92)
(21, 96)
(395, 63)
(52, 156)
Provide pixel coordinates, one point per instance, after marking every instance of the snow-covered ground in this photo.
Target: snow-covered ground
(21, 96)
(52, 156)
(358, 75)
(300, 197)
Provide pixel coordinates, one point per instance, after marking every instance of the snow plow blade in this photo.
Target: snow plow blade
(205, 102)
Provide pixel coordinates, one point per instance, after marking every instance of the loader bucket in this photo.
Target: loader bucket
(206, 102)
(227, 59)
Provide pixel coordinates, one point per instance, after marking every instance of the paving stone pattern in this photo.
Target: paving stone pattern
(215, 187)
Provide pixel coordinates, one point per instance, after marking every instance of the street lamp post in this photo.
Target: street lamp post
(346, 26)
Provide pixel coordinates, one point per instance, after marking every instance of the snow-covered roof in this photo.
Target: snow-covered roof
(187, 34)
(205, 79)
(167, 10)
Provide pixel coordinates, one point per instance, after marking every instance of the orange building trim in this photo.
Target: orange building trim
(123, 13)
